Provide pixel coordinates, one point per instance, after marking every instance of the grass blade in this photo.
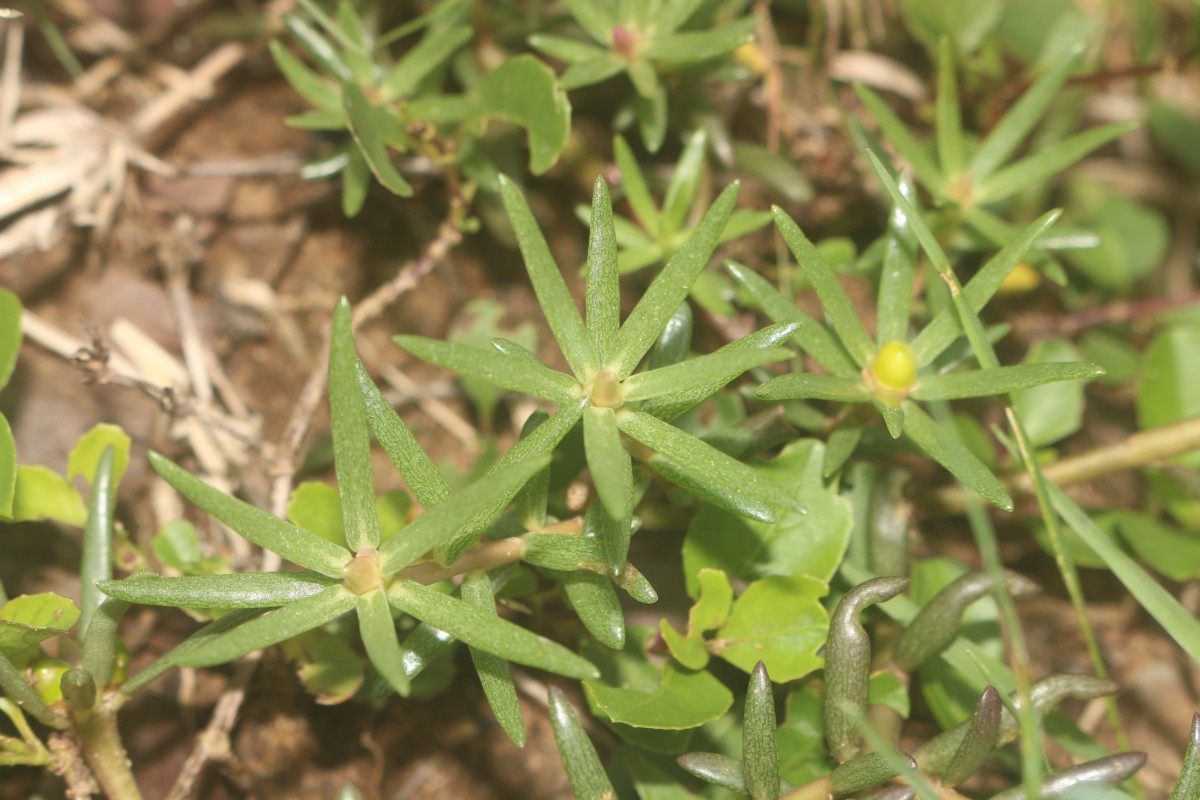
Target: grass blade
(811, 336)
(584, 770)
(686, 377)
(417, 469)
(486, 631)
(273, 627)
(237, 590)
(499, 367)
(835, 301)
(493, 671)
(351, 438)
(548, 284)
(670, 287)
(1000, 380)
(612, 470)
(379, 638)
(268, 532)
(603, 294)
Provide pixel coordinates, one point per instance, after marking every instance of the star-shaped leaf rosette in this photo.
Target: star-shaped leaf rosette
(894, 370)
(373, 575)
(602, 389)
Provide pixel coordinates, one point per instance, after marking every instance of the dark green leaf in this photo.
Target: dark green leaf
(524, 91)
(760, 756)
(979, 742)
(717, 769)
(1177, 133)
(596, 602)
(374, 128)
(380, 640)
(584, 770)
(1188, 785)
(867, 770)
(493, 672)
(239, 590)
(100, 645)
(1073, 782)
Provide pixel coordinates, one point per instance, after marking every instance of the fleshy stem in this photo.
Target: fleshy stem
(101, 744)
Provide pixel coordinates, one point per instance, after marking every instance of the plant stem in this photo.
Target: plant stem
(101, 743)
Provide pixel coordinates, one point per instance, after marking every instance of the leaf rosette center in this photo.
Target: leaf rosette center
(361, 573)
(605, 391)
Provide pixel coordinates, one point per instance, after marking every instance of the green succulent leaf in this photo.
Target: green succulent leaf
(981, 739)
(868, 769)
(897, 274)
(374, 128)
(101, 641)
(714, 369)
(949, 118)
(760, 754)
(493, 672)
(596, 603)
(603, 304)
(308, 84)
(351, 439)
(584, 770)
(811, 386)
(1188, 784)
(485, 631)
(717, 769)
(271, 533)
(685, 181)
(239, 590)
(502, 369)
(380, 640)
(95, 563)
(571, 51)
(194, 643)
(691, 47)
(947, 450)
(525, 92)
(612, 470)
(1001, 380)
(594, 70)
(596, 18)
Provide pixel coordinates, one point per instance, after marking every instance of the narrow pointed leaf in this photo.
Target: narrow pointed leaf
(593, 70)
(812, 336)
(1188, 785)
(719, 367)
(379, 638)
(486, 631)
(269, 532)
(716, 769)
(603, 303)
(867, 770)
(595, 18)
(417, 469)
(682, 398)
(1047, 162)
(951, 454)
(893, 418)
(443, 522)
(811, 386)
(584, 770)
(949, 114)
(706, 471)
(1020, 119)
(571, 51)
(685, 180)
(530, 502)
(311, 86)
(941, 332)
(502, 369)
(237, 590)
(548, 284)
(430, 53)
(273, 627)
(989, 382)
(674, 343)
(842, 315)
(596, 603)
(690, 47)
(613, 535)
(900, 138)
(670, 288)
(896, 277)
(100, 645)
(96, 561)
(981, 739)
(760, 754)
(493, 672)
(373, 128)
(1074, 781)
(634, 183)
(351, 439)
(197, 641)
(612, 470)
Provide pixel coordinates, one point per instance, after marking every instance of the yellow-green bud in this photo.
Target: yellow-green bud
(361, 573)
(606, 391)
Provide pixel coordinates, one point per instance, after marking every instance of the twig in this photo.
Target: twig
(1118, 312)
(198, 85)
(13, 26)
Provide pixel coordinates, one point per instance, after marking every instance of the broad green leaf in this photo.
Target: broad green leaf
(571, 51)
(41, 493)
(612, 471)
(239, 590)
(711, 611)
(525, 92)
(840, 445)
(444, 521)
(685, 180)
(838, 307)
(434, 49)
(683, 699)
(704, 470)
(593, 70)
(633, 181)
(949, 114)
(812, 386)
(1169, 389)
(812, 337)
(316, 507)
(1134, 240)
(326, 665)
(486, 631)
(177, 545)
(380, 640)
(596, 603)
(946, 326)
(1170, 551)
(990, 382)
(670, 287)
(692, 47)
(351, 439)
(594, 16)
(901, 138)
(584, 770)
(796, 544)
(493, 672)
(417, 469)
(8, 469)
(686, 377)
(500, 368)
(1178, 622)
(1047, 162)
(896, 274)
(1050, 413)
(312, 87)
(681, 398)
(603, 293)
(10, 334)
(295, 544)
(885, 689)
(552, 293)
(20, 696)
(96, 561)
(1021, 118)
(29, 619)
(271, 628)
(374, 128)
(688, 649)
(779, 621)
(85, 455)
(950, 453)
